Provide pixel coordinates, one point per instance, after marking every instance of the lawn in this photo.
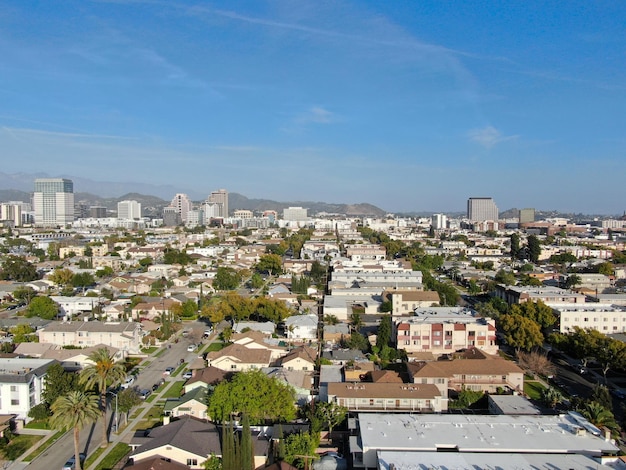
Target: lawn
(19, 444)
(153, 417)
(214, 347)
(149, 350)
(174, 390)
(38, 425)
(114, 456)
(533, 389)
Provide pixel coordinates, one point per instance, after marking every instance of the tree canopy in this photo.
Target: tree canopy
(17, 268)
(42, 307)
(226, 279)
(521, 332)
(260, 397)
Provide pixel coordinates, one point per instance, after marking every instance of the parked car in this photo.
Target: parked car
(168, 370)
(155, 387)
(128, 381)
(145, 393)
(191, 348)
(187, 375)
(71, 462)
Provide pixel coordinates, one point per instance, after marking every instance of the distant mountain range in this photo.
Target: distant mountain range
(21, 185)
(154, 197)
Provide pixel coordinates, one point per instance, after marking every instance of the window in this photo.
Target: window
(437, 343)
(437, 333)
(14, 388)
(15, 401)
(407, 342)
(406, 333)
(192, 462)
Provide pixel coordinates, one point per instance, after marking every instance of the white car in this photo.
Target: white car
(128, 381)
(191, 348)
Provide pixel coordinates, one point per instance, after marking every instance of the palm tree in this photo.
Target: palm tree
(103, 373)
(75, 410)
(599, 416)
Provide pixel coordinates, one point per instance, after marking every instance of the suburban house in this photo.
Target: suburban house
(443, 330)
(386, 397)
(21, 384)
(207, 377)
(151, 310)
(334, 334)
(475, 371)
(550, 296)
(302, 358)
(301, 327)
(125, 336)
(236, 358)
(187, 441)
(192, 403)
(70, 359)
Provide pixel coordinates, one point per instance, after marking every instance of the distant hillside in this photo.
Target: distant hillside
(14, 195)
(238, 201)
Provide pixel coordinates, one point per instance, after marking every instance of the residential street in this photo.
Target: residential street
(91, 437)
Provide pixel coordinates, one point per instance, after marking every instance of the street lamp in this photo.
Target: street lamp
(116, 415)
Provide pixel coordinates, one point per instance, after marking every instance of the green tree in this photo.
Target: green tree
(24, 333)
(383, 337)
(247, 449)
(330, 415)
(42, 307)
(505, 277)
(607, 268)
(127, 399)
(572, 281)
(515, 246)
(255, 394)
(226, 279)
(536, 311)
(602, 396)
(599, 416)
(269, 263)
(256, 281)
(61, 276)
(101, 374)
(75, 410)
(551, 397)
(318, 272)
(83, 280)
(521, 332)
(58, 383)
(534, 248)
(17, 268)
(24, 294)
(300, 448)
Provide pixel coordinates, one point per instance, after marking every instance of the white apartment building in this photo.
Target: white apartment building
(443, 330)
(21, 384)
(53, 202)
(11, 214)
(242, 214)
(605, 318)
(366, 252)
(125, 336)
(439, 221)
(181, 204)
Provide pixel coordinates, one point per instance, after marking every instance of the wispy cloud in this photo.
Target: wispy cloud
(62, 135)
(489, 136)
(316, 115)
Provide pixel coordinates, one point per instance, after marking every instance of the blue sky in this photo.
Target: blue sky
(407, 105)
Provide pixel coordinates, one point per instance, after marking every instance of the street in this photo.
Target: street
(91, 437)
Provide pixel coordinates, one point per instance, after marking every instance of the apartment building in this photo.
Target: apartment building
(444, 330)
(125, 336)
(605, 318)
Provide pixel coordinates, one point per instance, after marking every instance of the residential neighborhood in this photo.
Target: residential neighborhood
(316, 341)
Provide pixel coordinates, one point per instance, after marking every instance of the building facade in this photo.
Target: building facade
(53, 202)
(220, 197)
(481, 208)
(295, 214)
(129, 210)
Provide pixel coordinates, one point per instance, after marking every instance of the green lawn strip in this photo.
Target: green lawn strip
(533, 389)
(174, 390)
(149, 350)
(151, 398)
(161, 351)
(179, 370)
(135, 413)
(20, 444)
(40, 449)
(38, 425)
(214, 347)
(117, 453)
(153, 417)
(93, 456)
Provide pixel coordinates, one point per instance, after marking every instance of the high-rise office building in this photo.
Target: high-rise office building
(182, 204)
(439, 221)
(53, 202)
(220, 197)
(129, 210)
(97, 212)
(11, 214)
(296, 214)
(481, 208)
(526, 216)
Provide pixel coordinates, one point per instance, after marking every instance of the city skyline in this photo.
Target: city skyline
(405, 106)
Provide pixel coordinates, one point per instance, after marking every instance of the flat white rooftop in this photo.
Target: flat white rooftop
(566, 433)
(485, 461)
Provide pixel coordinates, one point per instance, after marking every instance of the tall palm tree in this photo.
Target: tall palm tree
(75, 410)
(599, 416)
(103, 373)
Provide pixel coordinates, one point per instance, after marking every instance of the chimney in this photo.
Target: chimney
(607, 433)
(166, 420)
